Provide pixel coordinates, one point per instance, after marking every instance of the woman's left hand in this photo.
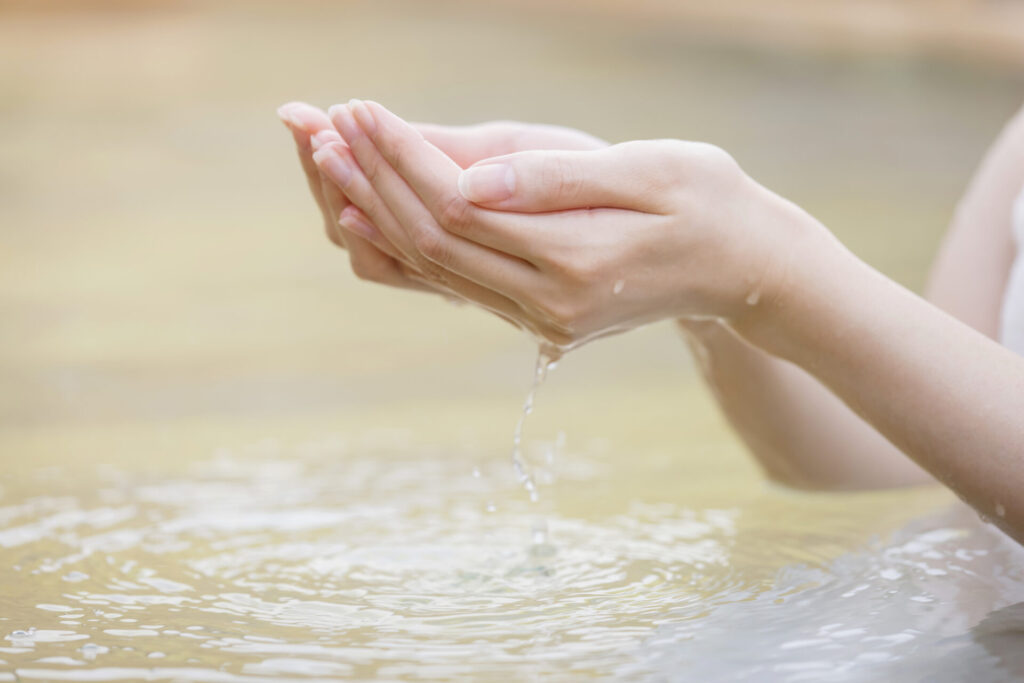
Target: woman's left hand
(579, 243)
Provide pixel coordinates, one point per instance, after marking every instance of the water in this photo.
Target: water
(374, 557)
(548, 356)
(131, 549)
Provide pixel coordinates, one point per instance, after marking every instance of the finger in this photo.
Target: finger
(355, 222)
(623, 176)
(334, 199)
(371, 226)
(324, 137)
(337, 163)
(334, 203)
(375, 266)
(492, 269)
(466, 145)
(290, 115)
(467, 290)
(433, 177)
(312, 129)
(347, 173)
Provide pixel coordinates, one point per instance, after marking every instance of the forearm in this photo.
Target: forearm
(801, 433)
(944, 394)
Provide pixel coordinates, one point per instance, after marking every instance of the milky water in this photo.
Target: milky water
(376, 557)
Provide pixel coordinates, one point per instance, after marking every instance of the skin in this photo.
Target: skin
(804, 435)
(373, 258)
(832, 373)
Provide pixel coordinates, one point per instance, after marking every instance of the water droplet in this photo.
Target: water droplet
(75, 576)
(20, 634)
(754, 297)
(520, 472)
(476, 472)
(1000, 510)
(491, 507)
(531, 488)
(540, 532)
(618, 287)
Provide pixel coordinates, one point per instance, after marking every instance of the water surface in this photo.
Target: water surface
(381, 557)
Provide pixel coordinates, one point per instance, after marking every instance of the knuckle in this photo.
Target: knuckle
(578, 271)
(456, 214)
(432, 271)
(372, 171)
(370, 271)
(399, 156)
(334, 236)
(586, 272)
(699, 157)
(562, 177)
(432, 243)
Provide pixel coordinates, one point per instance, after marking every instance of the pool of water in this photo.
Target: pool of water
(386, 558)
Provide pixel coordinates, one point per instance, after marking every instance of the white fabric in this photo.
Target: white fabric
(1011, 333)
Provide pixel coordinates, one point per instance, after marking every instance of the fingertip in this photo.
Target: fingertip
(330, 160)
(334, 110)
(354, 220)
(324, 137)
(363, 115)
(301, 116)
(488, 183)
(345, 123)
(287, 116)
(382, 117)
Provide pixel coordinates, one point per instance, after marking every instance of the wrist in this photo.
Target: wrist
(798, 258)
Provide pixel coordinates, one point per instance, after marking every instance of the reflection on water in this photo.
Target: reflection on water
(382, 559)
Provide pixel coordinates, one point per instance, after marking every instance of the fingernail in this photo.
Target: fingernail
(341, 116)
(354, 223)
(324, 137)
(363, 116)
(330, 162)
(284, 112)
(488, 183)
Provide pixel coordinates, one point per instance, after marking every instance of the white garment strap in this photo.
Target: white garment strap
(1011, 332)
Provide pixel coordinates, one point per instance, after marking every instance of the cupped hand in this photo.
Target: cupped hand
(348, 227)
(571, 244)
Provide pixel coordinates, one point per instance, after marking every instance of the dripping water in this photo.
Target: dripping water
(547, 360)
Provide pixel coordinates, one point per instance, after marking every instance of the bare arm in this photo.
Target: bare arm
(942, 392)
(801, 433)
(691, 235)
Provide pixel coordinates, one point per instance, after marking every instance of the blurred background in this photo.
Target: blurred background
(165, 287)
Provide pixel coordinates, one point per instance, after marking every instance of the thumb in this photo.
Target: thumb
(467, 145)
(538, 181)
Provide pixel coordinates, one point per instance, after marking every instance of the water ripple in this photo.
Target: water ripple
(325, 562)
